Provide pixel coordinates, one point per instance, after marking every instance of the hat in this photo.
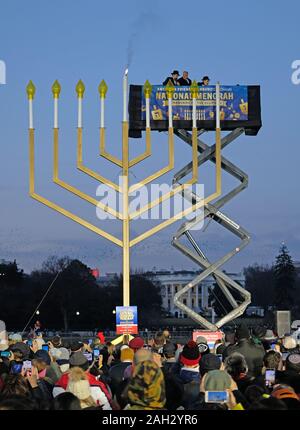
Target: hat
(270, 335)
(201, 339)
(175, 72)
(16, 337)
(101, 336)
(242, 332)
(136, 343)
(169, 348)
(289, 342)
(42, 355)
(78, 384)
(76, 346)
(284, 393)
(259, 331)
(209, 362)
(190, 354)
(127, 354)
(64, 354)
(55, 352)
(64, 357)
(78, 359)
(217, 380)
(23, 348)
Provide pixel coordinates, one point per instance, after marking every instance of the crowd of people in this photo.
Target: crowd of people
(243, 371)
(184, 80)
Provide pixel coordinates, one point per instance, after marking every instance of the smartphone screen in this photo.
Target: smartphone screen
(88, 355)
(16, 368)
(220, 357)
(284, 355)
(90, 341)
(27, 365)
(270, 377)
(5, 354)
(216, 396)
(45, 347)
(29, 342)
(96, 353)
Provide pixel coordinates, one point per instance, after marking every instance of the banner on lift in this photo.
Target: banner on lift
(233, 103)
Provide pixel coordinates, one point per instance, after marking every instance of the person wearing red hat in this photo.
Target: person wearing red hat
(136, 343)
(189, 373)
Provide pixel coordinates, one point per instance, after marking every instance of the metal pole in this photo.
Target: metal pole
(126, 260)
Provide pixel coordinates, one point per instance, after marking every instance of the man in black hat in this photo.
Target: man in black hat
(185, 80)
(204, 82)
(173, 78)
(254, 354)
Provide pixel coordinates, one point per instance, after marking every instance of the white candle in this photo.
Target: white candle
(147, 112)
(79, 112)
(125, 87)
(194, 113)
(30, 113)
(102, 113)
(218, 105)
(55, 112)
(170, 112)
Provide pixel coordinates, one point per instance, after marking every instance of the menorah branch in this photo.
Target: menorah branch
(89, 171)
(145, 154)
(56, 207)
(73, 189)
(103, 151)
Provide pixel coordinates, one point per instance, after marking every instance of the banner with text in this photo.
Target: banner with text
(233, 103)
(126, 320)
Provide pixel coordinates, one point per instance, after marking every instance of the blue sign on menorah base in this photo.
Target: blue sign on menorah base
(126, 320)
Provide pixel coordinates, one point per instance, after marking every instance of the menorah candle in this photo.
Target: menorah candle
(147, 112)
(170, 111)
(194, 113)
(79, 122)
(102, 113)
(102, 88)
(56, 91)
(125, 88)
(30, 89)
(218, 105)
(55, 113)
(80, 88)
(30, 113)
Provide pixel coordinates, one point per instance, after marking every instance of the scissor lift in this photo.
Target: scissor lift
(212, 212)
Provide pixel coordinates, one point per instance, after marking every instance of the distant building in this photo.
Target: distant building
(196, 298)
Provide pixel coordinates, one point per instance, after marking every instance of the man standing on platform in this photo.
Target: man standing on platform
(173, 78)
(185, 80)
(204, 82)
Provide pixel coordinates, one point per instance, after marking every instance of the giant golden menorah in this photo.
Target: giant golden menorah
(126, 189)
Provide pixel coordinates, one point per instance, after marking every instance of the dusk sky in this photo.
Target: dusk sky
(250, 43)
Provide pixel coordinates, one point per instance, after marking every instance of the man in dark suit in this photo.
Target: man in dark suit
(173, 78)
(205, 81)
(185, 80)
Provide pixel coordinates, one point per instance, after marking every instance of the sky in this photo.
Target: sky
(233, 42)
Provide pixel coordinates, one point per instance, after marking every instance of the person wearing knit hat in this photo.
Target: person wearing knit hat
(79, 386)
(209, 362)
(216, 380)
(136, 343)
(190, 357)
(77, 359)
(146, 390)
(63, 360)
(116, 372)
